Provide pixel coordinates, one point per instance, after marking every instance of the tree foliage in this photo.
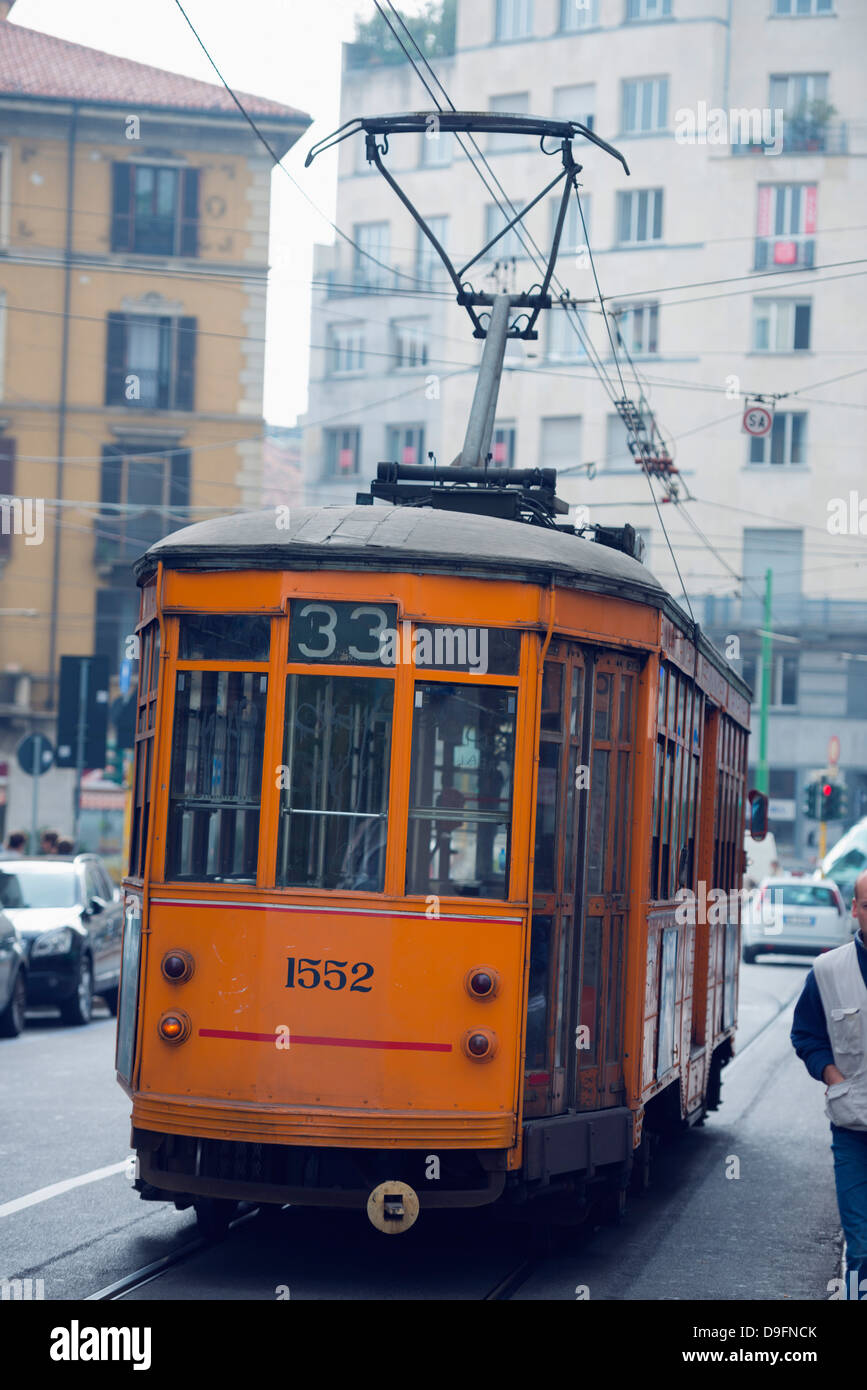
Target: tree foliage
(433, 29)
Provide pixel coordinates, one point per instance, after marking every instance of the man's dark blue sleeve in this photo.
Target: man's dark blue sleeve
(810, 1031)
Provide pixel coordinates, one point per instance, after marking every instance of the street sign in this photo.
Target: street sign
(833, 751)
(29, 760)
(124, 676)
(757, 421)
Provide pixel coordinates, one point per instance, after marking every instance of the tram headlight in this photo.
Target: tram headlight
(178, 966)
(482, 982)
(174, 1027)
(480, 1044)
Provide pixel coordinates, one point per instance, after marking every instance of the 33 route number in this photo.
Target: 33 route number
(305, 974)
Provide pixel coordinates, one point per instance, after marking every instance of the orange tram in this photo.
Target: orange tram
(416, 787)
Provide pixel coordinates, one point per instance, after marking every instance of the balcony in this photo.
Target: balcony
(785, 251)
(799, 137)
(120, 538)
(813, 617)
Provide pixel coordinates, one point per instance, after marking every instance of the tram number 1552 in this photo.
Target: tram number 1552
(333, 976)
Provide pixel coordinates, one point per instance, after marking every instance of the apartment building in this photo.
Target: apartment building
(134, 225)
(730, 261)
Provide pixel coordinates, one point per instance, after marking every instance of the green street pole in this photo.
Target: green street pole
(762, 777)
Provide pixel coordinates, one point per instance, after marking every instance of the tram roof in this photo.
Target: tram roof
(418, 540)
(403, 538)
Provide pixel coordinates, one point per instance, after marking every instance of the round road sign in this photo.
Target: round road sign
(757, 421)
(27, 756)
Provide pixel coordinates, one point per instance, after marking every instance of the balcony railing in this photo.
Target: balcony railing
(371, 279)
(819, 616)
(800, 138)
(787, 252)
(121, 537)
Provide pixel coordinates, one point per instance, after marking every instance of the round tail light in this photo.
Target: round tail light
(177, 966)
(482, 982)
(174, 1027)
(480, 1044)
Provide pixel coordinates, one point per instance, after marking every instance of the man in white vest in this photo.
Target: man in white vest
(829, 1034)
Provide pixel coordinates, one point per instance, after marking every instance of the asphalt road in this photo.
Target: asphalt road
(769, 1233)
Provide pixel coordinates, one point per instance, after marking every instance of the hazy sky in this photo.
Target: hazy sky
(288, 50)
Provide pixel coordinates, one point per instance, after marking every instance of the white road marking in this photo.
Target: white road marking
(42, 1194)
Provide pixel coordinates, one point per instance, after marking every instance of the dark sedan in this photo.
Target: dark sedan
(13, 978)
(70, 918)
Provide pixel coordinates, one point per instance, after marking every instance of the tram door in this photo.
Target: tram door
(596, 1071)
(575, 996)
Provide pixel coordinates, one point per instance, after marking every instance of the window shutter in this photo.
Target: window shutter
(115, 359)
(166, 361)
(185, 384)
(179, 486)
(190, 212)
(121, 219)
(110, 475)
(7, 489)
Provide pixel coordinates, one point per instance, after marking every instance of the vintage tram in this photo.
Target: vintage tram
(418, 786)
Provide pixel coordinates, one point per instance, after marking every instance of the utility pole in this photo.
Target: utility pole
(762, 776)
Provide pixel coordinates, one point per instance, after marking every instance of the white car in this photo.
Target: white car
(795, 917)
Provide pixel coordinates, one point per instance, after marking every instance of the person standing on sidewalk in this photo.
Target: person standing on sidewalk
(829, 1034)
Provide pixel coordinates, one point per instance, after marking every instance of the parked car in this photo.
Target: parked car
(795, 917)
(70, 916)
(846, 861)
(13, 977)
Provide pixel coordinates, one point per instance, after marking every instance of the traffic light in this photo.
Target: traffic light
(839, 803)
(826, 800)
(810, 798)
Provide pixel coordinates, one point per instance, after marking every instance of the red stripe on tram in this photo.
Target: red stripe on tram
(299, 1039)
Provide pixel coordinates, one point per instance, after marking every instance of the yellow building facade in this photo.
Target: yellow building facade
(134, 220)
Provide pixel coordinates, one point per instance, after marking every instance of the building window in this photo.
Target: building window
(856, 690)
(786, 225)
(645, 105)
(576, 104)
(428, 265)
(638, 326)
(561, 442)
(405, 443)
(155, 210)
(150, 361)
(345, 349)
(781, 325)
(373, 249)
(437, 149)
(143, 495)
(342, 453)
(564, 343)
(503, 446)
(5, 194)
(639, 216)
(508, 247)
(618, 455)
(803, 99)
(786, 445)
(410, 343)
(800, 8)
(117, 612)
(647, 9)
(515, 104)
(7, 489)
(578, 14)
(514, 19)
(784, 679)
(572, 239)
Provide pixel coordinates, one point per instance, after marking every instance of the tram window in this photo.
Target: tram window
(552, 696)
(359, 634)
(547, 800)
(621, 822)
(599, 792)
(463, 754)
(602, 707)
(576, 722)
(337, 757)
(216, 637)
(489, 651)
(538, 993)
(591, 983)
(215, 786)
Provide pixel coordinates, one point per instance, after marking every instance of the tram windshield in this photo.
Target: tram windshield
(334, 803)
(461, 775)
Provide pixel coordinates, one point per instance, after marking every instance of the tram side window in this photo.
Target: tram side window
(676, 784)
(729, 808)
(146, 718)
(334, 806)
(218, 743)
(461, 777)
